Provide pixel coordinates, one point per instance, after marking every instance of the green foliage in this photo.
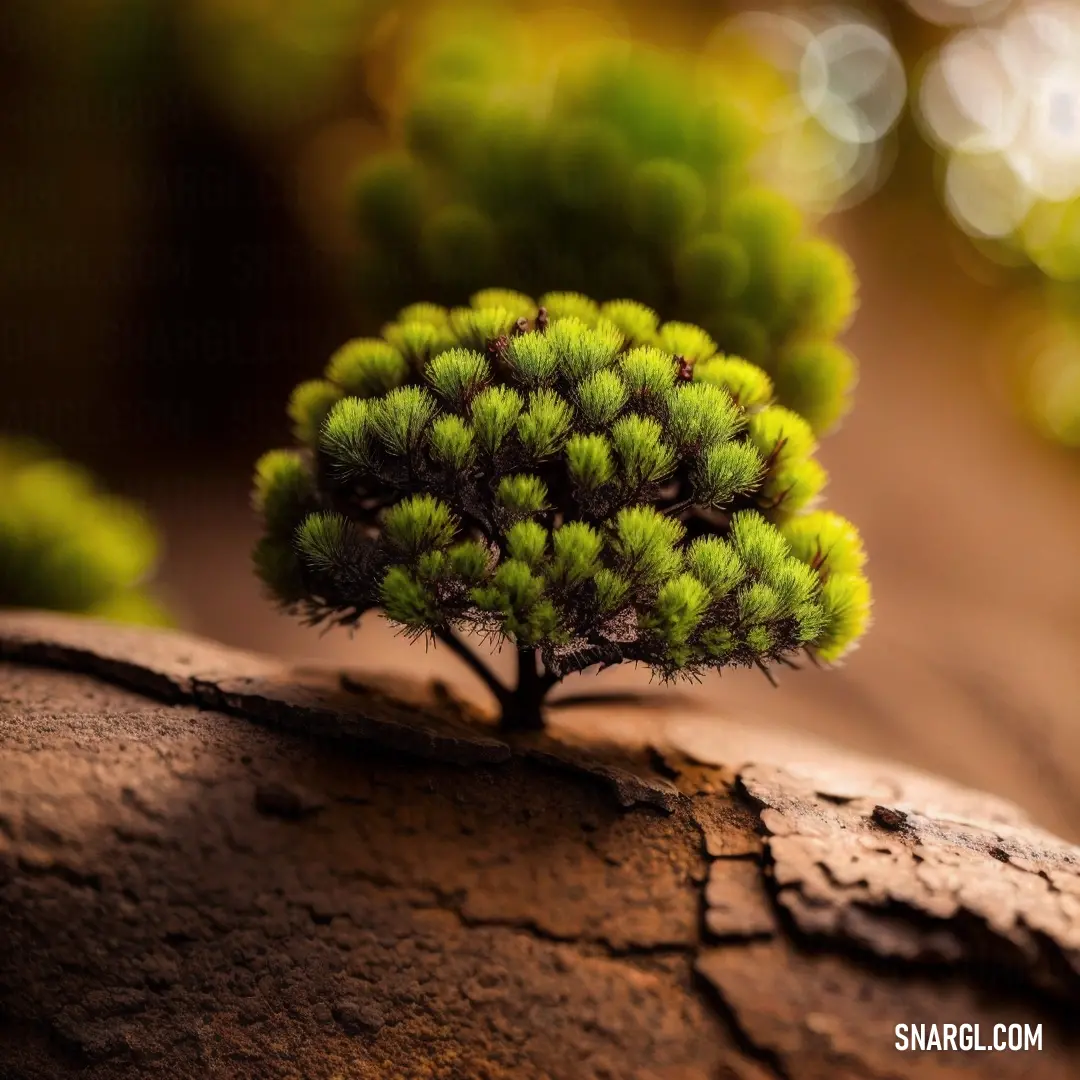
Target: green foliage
(676, 613)
(600, 398)
(419, 524)
(389, 198)
(452, 443)
(407, 601)
(686, 340)
(557, 484)
(645, 544)
(458, 375)
(794, 478)
(845, 600)
(521, 494)
(418, 339)
(470, 561)
(507, 299)
(648, 374)
(578, 550)
(533, 358)
(367, 367)
(832, 548)
(476, 326)
(644, 459)
(267, 69)
(702, 417)
(826, 541)
(277, 566)
(494, 415)
(746, 384)
(571, 305)
(666, 200)
(756, 542)
(631, 181)
(711, 267)
(635, 321)
(716, 564)
(814, 378)
(589, 462)
(727, 470)
(527, 542)
(820, 284)
(542, 428)
(65, 545)
(308, 407)
(401, 420)
(322, 540)
(781, 435)
(583, 350)
(284, 491)
(346, 437)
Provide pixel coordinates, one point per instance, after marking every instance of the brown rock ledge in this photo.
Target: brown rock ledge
(214, 866)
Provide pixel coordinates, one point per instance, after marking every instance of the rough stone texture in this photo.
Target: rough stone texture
(966, 890)
(177, 667)
(823, 1019)
(402, 893)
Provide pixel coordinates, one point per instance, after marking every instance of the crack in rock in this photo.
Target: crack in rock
(178, 668)
(736, 904)
(936, 890)
(420, 720)
(807, 894)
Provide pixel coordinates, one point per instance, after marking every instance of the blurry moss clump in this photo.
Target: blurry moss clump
(1051, 395)
(67, 546)
(273, 63)
(265, 66)
(614, 170)
(1047, 383)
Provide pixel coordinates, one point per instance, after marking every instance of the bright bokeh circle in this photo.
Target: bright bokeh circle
(843, 92)
(1001, 101)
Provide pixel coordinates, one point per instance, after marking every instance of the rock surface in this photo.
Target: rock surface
(214, 866)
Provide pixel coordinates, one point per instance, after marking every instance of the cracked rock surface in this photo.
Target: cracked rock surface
(214, 866)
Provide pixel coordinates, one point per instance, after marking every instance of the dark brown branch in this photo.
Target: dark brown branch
(766, 672)
(615, 697)
(678, 508)
(476, 665)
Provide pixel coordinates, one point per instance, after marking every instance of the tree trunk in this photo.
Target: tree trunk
(214, 866)
(524, 707)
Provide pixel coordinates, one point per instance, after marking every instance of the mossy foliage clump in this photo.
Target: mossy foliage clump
(626, 177)
(65, 545)
(577, 479)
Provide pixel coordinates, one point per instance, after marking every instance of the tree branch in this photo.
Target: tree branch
(678, 508)
(606, 697)
(475, 664)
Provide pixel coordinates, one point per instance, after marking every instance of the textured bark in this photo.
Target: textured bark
(214, 866)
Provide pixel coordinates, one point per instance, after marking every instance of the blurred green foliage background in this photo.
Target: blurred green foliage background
(213, 140)
(606, 168)
(65, 545)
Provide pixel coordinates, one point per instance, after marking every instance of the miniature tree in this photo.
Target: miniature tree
(573, 479)
(67, 546)
(645, 178)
